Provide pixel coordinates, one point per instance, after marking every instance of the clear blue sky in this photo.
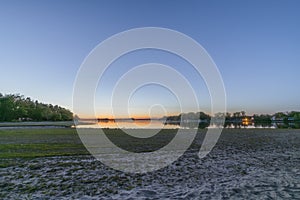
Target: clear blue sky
(255, 44)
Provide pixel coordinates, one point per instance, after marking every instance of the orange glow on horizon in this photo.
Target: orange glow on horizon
(123, 116)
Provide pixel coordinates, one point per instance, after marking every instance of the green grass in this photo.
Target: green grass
(43, 123)
(30, 143)
(39, 136)
(39, 150)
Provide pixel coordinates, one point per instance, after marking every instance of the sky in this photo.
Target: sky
(254, 44)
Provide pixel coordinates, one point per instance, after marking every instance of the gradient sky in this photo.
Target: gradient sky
(255, 44)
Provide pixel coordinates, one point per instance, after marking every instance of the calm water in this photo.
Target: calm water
(160, 124)
(137, 124)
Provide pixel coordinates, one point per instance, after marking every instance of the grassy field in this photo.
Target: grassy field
(41, 124)
(29, 143)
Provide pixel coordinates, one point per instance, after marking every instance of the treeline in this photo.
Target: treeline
(189, 116)
(238, 117)
(279, 116)
(15, 107)
(189, 120)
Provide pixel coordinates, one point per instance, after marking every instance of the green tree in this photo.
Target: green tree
(7, 108)
(15, 107)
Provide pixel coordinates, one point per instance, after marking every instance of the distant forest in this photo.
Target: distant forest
(239, 116)
(237, 119)
(15, 107)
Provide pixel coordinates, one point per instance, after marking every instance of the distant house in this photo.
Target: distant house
(277, 119)
(22, 119)
(247, 120)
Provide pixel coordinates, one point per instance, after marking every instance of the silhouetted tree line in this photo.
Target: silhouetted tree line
(15, 107)
(189, 120)
(265, 118)
(237, 117)
(189, 116)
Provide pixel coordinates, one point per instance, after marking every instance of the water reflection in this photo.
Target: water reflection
(129, 124)
(160, 124)
(295, 125)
